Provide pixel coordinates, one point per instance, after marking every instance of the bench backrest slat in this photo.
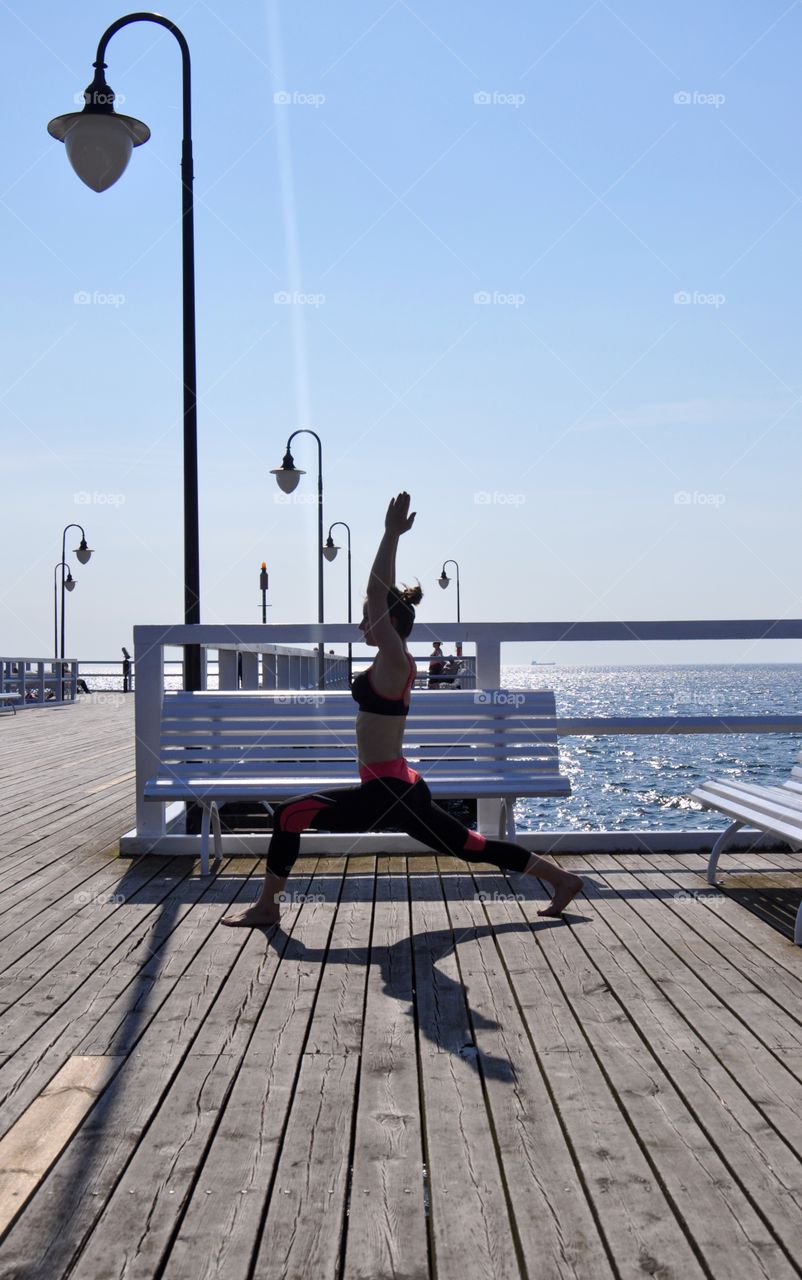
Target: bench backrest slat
(452, 733)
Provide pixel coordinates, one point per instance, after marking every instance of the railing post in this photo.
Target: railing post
(250, 670)
(148, 698)
(488, 664)
(227, 669)
(488, 676)
(269, 662)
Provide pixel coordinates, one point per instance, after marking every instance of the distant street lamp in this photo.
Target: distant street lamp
(330, 552)
(69, 583)
(287, 477)
(99, 143)
(83, 554)
(444, 581)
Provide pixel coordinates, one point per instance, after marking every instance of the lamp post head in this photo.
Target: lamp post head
(98, 141)
(287, 475)
(83, 552)
(329, 550)
(69, 581)
(443, 580)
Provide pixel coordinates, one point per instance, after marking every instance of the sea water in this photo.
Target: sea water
(627, 782)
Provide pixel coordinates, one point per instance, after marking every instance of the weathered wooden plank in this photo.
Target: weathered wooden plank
(44, 909)
(104, 989)
(636, 1216)
(302, 1233)
(720, 921)
(159, 1179)
(470, 1223)
(718, 1216)
(29, 1149)
(767, 1019)
(52, 1231)
(220, 1230)
(386, 1231)
(143, 889)
(551, 1209)
(32, 952)
(762, 870)
(84, 832)
(760, 1069)
(767, 1165)
(337, 1024)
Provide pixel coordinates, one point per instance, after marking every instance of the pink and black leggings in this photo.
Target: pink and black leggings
(375, 805)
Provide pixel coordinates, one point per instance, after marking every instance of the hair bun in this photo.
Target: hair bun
(412, 595)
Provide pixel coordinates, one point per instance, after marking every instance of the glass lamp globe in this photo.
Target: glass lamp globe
(98, 144)
(287, 476)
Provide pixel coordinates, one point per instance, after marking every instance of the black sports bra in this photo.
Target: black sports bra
(369, 700)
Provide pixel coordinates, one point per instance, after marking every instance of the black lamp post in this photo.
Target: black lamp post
(83, 553)
(287, 477)
(69, 583)
(330, 551)
(99, 142)
(444, 581)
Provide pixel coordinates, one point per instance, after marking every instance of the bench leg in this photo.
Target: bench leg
(506, 819)
(218, 835)
(211, 815)
(716, 851)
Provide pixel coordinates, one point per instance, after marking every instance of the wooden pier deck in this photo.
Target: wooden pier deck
(413, 1076)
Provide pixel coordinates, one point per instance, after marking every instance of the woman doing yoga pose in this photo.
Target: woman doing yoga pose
(390, 792)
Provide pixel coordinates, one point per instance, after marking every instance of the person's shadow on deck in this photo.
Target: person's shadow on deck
(411, 967)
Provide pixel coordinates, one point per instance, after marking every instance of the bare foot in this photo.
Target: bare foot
(562, 896)
(255, 917)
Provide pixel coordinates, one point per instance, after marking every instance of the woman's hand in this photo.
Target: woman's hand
(398, 519)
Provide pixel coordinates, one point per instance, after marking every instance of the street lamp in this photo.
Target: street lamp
(69, 583)
(444, 581)
(330, 551)
(83, 553)
(287, 477)
(99, 142)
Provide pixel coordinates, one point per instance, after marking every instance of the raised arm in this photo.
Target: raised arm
(382, 575)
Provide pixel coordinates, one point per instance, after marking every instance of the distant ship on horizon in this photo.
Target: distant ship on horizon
(535, 663)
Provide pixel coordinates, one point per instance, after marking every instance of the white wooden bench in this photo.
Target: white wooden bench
(271, 746)
(775, 810)
(10, 699)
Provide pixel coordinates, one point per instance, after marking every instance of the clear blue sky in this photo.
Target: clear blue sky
(545, 434)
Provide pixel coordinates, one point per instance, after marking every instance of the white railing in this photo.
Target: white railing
(150, 643)
(39, 681)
